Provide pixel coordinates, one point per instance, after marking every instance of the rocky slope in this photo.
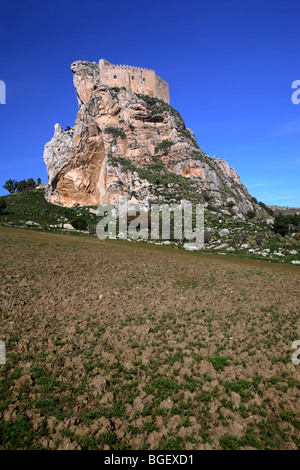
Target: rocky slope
(128, 144)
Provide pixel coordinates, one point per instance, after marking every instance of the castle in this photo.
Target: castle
(139, 80)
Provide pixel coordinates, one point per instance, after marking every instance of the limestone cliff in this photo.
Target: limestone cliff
(128, 144)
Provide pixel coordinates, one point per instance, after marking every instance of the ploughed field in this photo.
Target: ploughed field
(118, 345)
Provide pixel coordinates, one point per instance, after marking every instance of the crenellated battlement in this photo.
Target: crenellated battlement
(139, 79)
(126, 67)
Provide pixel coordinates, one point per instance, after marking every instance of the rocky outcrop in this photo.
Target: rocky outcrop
(128, 144)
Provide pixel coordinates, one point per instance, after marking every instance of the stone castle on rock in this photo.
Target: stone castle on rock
(139, 80)
(128, 141)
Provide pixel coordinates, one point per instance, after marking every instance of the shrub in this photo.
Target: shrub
(79, 223)
(115, 131)
(187, 133)
(206, 196)
(297, 236)
(251, 214)
(68, 214)
(164, 147)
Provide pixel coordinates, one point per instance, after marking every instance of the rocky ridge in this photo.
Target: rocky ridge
(128, 144)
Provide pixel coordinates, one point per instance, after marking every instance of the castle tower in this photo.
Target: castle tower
(139, 80)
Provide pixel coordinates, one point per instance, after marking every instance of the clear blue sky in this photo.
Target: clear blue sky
(230, 65)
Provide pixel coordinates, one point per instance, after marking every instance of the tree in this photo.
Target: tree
(281, 224)
(30, 183)
(21, 185)
(13, 186)
(10, 186)
(38, 181)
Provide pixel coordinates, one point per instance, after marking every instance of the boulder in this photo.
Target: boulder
(224, 232)
(29, 223)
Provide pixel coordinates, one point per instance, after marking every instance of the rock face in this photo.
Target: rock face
(128, 144)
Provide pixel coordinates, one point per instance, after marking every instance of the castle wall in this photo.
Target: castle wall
(162, 89)
(140, 80)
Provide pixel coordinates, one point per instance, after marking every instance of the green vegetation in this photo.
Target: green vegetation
(32, 205)
(286, 224)
(265, 207)
(2, 205)
(18, 434)
(13, 186)
(249, 238)
(80, 223)
(116, 132)
(169, 185)
(164, 147)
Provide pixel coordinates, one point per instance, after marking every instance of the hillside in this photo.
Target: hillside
(224, 233)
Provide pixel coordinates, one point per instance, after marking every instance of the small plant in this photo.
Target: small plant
(219, 362)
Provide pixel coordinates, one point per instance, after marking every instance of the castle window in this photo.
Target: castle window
(132, 77)
(143, 79)
(115, 76)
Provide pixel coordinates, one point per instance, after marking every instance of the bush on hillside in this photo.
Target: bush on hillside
(250, 214)
(164, 147)
(79, 223)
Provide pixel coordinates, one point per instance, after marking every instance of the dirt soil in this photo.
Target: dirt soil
(118, 345)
